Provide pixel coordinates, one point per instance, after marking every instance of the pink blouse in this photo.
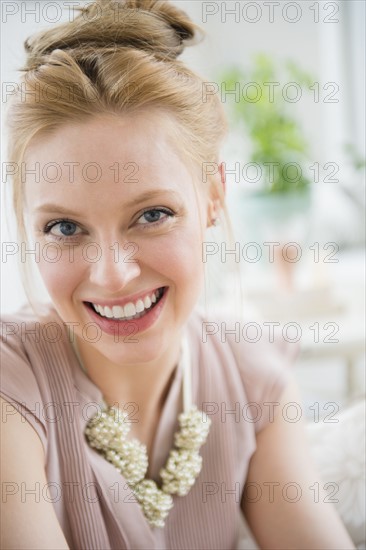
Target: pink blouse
(234, 383)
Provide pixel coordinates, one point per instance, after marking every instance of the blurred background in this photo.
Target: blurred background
(291, 77)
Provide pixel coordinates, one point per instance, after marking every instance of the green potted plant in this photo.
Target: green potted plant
(278, 146)
(278, 207)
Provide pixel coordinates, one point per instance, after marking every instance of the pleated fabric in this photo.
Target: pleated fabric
(233, 382)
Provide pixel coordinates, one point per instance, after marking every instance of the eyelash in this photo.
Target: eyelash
(145, 226)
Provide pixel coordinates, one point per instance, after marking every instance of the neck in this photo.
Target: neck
(140, 389)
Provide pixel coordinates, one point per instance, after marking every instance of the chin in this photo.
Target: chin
(137, 348)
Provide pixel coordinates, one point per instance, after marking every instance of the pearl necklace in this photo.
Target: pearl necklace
(107, 433)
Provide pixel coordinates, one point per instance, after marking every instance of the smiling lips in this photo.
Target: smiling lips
(131, 310)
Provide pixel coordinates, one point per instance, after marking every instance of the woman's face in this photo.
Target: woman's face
(120, 231)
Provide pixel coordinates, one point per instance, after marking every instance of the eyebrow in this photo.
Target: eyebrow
(148, 195)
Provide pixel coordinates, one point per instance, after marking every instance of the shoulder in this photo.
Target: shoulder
(251, 350)
(25, 325)
(25, 335)
(25, 346)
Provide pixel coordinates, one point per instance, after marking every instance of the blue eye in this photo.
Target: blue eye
(154, 216)
(65, 229)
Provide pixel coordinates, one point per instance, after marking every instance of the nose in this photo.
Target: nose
(115, 266)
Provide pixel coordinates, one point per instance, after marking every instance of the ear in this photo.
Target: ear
(217, 195)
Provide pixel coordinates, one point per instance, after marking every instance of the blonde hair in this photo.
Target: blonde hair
(114, 57)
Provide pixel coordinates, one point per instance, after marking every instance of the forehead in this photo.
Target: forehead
(124, 155)
(113, 134)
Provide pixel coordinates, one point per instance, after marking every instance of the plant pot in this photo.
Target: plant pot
(279, 223)
(276, 216)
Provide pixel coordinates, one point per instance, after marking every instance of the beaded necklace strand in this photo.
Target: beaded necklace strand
(107, 433)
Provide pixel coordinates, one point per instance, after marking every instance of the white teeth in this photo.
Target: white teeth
(108, 312)
(130, 310)
(118, 312)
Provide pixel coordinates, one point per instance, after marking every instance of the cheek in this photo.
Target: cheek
(60, 277)
(177, 256)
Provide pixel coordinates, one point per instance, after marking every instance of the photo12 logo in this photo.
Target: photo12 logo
(28, 11)
(269, 12)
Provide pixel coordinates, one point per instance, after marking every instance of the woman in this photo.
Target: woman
(118, 216)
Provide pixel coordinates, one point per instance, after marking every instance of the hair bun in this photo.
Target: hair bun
(155, 26)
